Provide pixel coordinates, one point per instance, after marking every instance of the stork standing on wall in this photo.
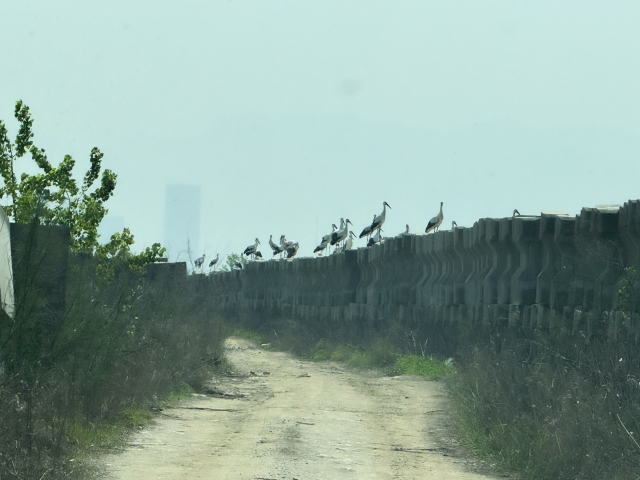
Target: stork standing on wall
(436, 221)
(277, 249)
(292, 249)
(379, 220)
(324, 243)
(287, 244)
(349, 243)
(199, 262)
(273, 246)
(251, 249)
(377, 238)
(283, 242)
(214, 262)
(453, 225)
(367, 231)
(340, 235)
(334, 235)
(406, 232)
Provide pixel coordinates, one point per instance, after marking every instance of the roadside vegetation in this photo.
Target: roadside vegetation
(378, 354)
(79, 369)
(539, 404)
(560, 411)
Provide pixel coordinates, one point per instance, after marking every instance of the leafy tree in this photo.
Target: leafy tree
(118, 251)
(53, 197)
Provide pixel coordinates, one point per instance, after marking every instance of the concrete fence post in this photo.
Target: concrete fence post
(526, 237)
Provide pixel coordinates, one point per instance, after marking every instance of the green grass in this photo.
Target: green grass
(380, 354)
(427, 367)
(181, 391)
(247, 335)
(112, 434)
(108, 434)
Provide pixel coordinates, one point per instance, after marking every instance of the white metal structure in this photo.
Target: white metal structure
(6, 267)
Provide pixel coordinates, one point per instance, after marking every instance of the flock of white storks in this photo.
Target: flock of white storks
(340, 238)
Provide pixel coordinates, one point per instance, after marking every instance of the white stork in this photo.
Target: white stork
(251, 249)
(324, 243)
(515, 213)
(349, 243)
(375, 239)
(334, 235)
(435, 222)
(214, 262)
(340, 235)
(292, 249)
(287, 244)
(379, 220)
(277, 249)
(454, 225)
(406, 232)
(368, 230)
(199, 262)
(273, 246)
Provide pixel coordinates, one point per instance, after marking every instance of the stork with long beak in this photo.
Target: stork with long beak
(379, 220)
(436, 221)
(367, 231)
(324, 243)
(341, 234)
(349, 243)
(214, 262)
(251, 249)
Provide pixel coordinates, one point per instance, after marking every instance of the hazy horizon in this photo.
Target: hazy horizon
(289, 116)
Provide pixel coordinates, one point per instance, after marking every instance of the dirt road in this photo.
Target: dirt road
(301, 420)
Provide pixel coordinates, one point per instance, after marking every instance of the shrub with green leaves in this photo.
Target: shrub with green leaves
(53, 197)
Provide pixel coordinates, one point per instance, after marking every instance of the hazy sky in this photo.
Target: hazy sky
(290, 115)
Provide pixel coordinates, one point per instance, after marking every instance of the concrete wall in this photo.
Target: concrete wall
(505, 271)
(39, 257)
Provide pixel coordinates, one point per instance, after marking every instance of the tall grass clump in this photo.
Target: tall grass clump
(553, 410)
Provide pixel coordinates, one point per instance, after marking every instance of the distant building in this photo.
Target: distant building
(182, 221)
